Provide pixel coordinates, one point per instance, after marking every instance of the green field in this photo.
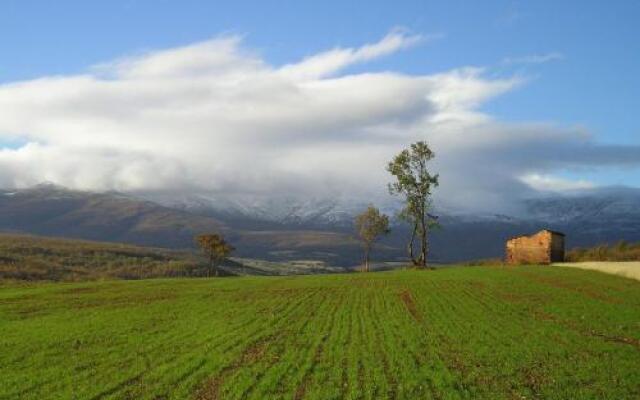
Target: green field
(473, 332)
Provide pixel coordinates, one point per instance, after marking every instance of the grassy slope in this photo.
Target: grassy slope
(36, 258)
(24, 257)
(529, 332)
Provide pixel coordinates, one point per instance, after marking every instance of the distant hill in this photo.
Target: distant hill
(38, 258)
(55, 211)
(285, 229)
(589, 217)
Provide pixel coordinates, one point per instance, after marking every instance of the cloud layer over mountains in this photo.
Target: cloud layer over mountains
(216, 117)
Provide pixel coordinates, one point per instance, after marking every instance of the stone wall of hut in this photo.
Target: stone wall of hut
(542, 248)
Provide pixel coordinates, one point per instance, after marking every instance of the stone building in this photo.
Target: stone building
(544, 247)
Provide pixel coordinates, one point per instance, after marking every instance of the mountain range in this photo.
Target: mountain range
(284, 228)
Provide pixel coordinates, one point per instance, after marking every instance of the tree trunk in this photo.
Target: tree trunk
(365, 267)
(423, 236)
(410, 245)
(366, 260)
(423, 246)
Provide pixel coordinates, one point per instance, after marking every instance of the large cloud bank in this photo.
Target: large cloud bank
(213, 117)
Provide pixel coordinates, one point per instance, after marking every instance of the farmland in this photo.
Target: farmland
(453, 333)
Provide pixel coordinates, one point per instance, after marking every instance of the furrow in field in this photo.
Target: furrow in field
(371, 350)
(326, 331)
(454, 318)
(224, 381)
(163, 356)
(223, 342)
(276, 377)
(264, 333)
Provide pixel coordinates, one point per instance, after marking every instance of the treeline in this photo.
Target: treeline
(621, 251)
(29, 258)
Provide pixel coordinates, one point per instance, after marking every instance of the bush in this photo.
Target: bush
(621, 251)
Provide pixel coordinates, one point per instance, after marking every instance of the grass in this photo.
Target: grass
(453, 333)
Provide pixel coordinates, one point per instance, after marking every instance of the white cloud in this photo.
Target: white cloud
(215, 117)
(550, 183)
(332, 61)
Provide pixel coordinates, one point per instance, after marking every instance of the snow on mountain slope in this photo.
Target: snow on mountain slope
(612, 204)
(290, 227)
(281, 209)
(584, 206)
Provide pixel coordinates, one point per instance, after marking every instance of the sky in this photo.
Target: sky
(309, 98)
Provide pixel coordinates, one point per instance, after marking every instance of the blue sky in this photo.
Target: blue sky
(594, 84)
(579, 59)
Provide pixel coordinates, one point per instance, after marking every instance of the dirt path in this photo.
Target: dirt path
(627, 269)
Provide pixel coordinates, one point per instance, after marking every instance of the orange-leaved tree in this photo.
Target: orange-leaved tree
(215, 248)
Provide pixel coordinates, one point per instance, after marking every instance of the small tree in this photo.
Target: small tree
(371, 225)
(215, 248)
(414, 182)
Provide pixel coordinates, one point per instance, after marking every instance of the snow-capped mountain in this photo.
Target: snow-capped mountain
(586, 205)
(279, 209)
(591, 217)
(52, 210)
(288, 227)
(608, 209)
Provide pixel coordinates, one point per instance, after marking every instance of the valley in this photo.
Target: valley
(284, 229)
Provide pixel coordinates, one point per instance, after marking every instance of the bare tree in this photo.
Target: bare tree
(215, 248)
(371, 225)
